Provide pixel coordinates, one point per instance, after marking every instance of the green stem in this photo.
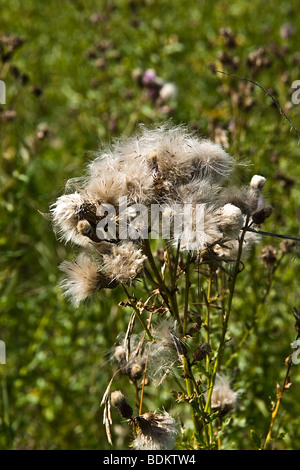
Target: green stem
(226, 319)
(169, 296)
(148, 252)
(191, 386)
(207, 339)
(138, 314)
(207, 317)
(186, 296)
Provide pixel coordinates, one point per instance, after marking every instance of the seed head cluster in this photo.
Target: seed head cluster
(168, 166)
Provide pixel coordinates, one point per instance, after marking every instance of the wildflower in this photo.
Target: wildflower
(287, 246)
(167, 92)
(287, 30)
(152, 83)
(158, 90)
(201, 230)
(179, 156)
(156, 431)
(223, 399)
(258, 59)
(211, 160)
(150, 78)
(143, 169)
(229, 60)
(229, 37)
(196, 192)
(166, 338)
(168, 166)
(256, 202)
(269, 256)
(192, 226)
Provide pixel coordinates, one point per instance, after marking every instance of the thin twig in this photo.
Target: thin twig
(270, 234)
(280, 392)
(143, 384)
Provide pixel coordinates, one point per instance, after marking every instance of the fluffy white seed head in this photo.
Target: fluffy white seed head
(195, 226)
(125, 173)
(231, 221)
(196, 192)
(118, 400)
(64, 215)
(257, 182)
(124, 262)
(223, 398)
(156, 431)
(210, 160)
(163, 352)
(229, 250)
(178, 155)
(81, 280)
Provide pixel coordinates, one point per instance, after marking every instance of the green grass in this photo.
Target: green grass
(73, 76)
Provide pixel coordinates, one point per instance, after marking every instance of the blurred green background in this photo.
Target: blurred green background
(70, 70)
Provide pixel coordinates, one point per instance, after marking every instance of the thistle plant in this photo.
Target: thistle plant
(162, 216)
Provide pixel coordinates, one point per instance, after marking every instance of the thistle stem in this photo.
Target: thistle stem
(169, 296)
(226, 318)
(186, 299)
(138, 314)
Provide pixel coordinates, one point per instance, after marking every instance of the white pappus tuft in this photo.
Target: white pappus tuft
(64, 215)
(124, 262)
(81, 280)
(156, 431)
(223, 397)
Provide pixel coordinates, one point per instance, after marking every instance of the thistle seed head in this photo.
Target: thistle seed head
(118, 400)
(156, 431)
(223, 399)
